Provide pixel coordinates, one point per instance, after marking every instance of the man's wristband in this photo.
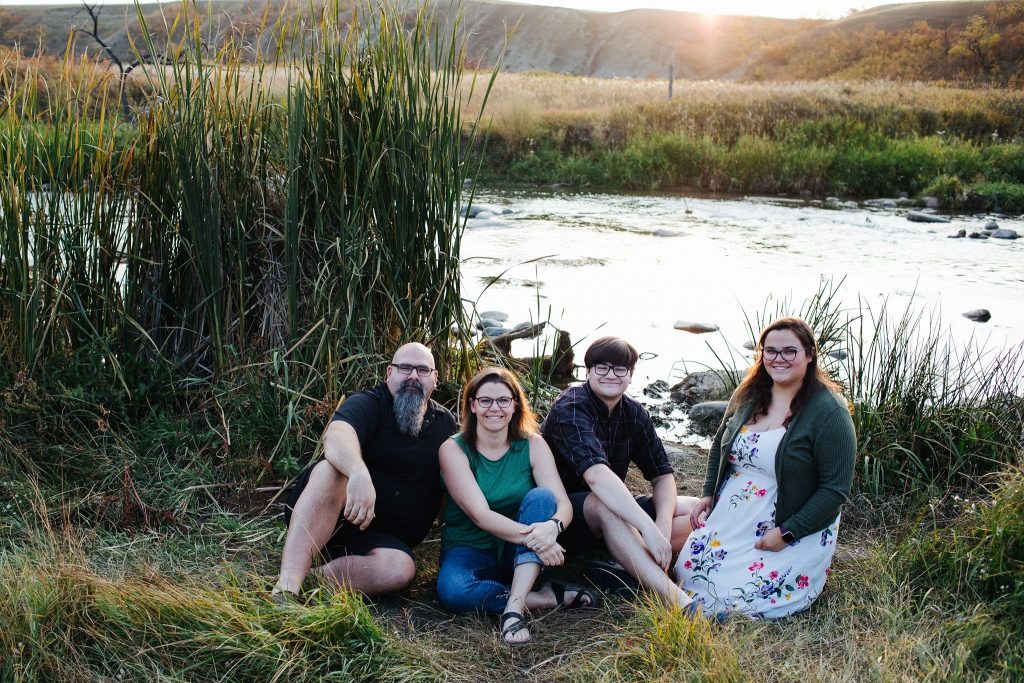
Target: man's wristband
(558, 523)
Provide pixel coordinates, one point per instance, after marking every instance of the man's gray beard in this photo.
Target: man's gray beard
(410, 407)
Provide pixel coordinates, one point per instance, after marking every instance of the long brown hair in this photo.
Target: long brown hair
(523, 423)
(756, 387)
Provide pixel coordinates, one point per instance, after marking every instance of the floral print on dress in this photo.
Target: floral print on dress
(719, 565)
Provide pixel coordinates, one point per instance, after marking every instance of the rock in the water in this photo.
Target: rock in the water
(656, 389)
(749, 345)
(922, 217)
(496, 331)
(475, 210)
(706, 385)
(881, 203)
(959, 233)
(485, 322)
(838, 354)
(1005, 234)
(706, 417)
(696, 328)
(500, 316)
(991, 225)
(978, 236)
(930, 202)
(978, 315)
(522, 326)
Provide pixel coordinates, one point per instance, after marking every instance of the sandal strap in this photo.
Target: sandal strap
(560, 589)
(513, 628)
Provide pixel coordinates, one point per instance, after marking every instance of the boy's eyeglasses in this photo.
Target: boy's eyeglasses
(618, 370)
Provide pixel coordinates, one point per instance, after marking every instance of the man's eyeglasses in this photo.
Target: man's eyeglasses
(618, 370)
(406, 369)
(486, 402)
(788, 354)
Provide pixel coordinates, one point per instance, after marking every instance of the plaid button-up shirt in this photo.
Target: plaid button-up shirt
(582, 433)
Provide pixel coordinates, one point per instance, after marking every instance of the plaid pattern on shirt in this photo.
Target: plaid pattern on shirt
(582, 433)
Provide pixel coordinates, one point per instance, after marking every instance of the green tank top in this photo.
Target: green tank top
(504, 483)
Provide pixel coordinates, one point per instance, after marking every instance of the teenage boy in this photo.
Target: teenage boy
(595, 431)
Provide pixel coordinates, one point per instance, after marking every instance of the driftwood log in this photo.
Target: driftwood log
(558, 365)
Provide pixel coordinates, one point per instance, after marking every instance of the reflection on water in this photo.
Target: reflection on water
(634, 265)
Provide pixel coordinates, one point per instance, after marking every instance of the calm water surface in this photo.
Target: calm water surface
(629, 265)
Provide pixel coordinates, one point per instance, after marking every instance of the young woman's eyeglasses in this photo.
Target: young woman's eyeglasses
(788, 354)
(406, 369)
(486, 402)
(618, 370)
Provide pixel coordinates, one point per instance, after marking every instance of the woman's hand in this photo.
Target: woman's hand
(700, 512)
(553, 556)
(771, 541)
(540, 536)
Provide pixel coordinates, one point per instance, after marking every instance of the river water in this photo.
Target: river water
(631, 265)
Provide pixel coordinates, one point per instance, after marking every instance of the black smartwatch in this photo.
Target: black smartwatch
(558, 523)
(787, 535)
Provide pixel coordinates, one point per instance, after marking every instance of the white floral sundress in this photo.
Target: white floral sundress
(719, 565)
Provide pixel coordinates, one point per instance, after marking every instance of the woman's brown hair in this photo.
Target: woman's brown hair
(756, 387)
(523, 424)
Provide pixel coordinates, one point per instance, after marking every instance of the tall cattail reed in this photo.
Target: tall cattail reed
(223, 221)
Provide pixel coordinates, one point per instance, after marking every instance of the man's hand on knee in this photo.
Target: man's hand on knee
(360, 499)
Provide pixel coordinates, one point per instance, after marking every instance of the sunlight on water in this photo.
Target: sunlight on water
(634, 265)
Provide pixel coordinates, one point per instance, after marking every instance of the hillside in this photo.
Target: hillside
(980, 42)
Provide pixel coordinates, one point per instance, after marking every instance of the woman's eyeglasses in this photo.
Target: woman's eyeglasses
(618, 370)
(486, 402)
(788, 354)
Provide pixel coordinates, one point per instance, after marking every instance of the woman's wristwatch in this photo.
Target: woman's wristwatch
(787, 535)
(558, 523)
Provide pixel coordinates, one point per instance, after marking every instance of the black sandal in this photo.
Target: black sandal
(560, 589)
(513, 628)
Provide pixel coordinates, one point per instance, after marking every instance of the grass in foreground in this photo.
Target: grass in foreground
(188, 603)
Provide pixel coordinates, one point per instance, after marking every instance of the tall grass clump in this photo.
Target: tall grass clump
(230, 253)
(929, 413)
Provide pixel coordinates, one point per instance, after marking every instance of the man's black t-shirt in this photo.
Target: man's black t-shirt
(404, 469)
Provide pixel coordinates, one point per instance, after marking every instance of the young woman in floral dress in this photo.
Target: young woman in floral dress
(764, 532)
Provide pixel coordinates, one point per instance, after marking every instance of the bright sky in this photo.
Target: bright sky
(813, 9)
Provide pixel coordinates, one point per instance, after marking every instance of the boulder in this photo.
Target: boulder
(978, 315)
(978, 236)
(694, 327)
(485, 322)
(922, 217)
(496, 331)
(522, 326)
(959, 233)
(749, 345)
(706, 417)
(1005, 234)
(500, 316)
(991, 225)
(930, 202)
(838, 354)
(705, 385)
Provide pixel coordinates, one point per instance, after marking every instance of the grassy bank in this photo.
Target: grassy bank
(859, 140)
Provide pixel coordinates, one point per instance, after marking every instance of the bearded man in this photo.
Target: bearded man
(376, 490)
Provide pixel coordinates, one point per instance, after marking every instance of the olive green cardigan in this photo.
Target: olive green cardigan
(813, 465)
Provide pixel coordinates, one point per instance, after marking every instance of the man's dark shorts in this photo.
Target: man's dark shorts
(347, 539)
(578, 537)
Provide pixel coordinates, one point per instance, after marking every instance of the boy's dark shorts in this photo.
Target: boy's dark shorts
(578, 537)
(347, 538)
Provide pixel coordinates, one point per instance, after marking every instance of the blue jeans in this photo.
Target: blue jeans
(472, 579)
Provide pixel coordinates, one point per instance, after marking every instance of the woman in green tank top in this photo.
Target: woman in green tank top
(505, 508)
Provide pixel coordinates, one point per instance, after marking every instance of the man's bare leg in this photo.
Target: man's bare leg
(382, 570)
(312, 523)
(681, 522)
(628, 549)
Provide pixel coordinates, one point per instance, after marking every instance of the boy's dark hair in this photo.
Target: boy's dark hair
(611, 351)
